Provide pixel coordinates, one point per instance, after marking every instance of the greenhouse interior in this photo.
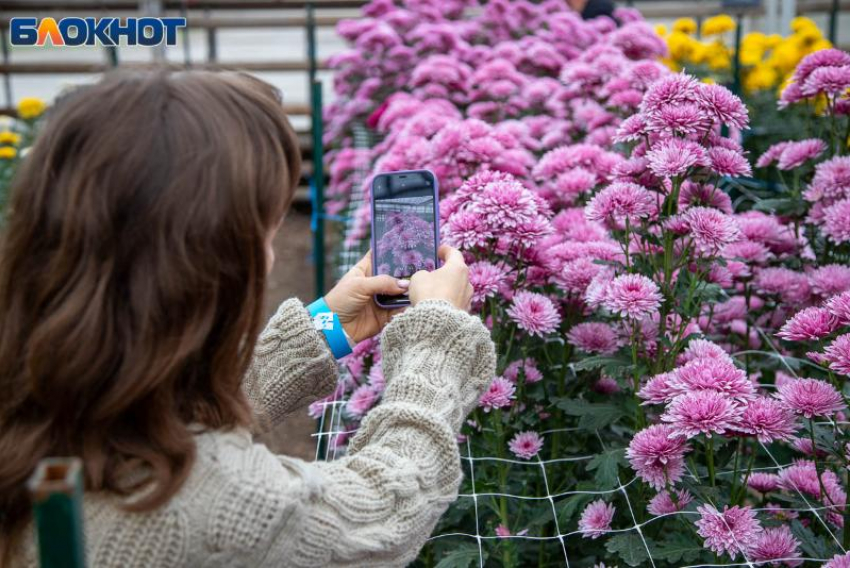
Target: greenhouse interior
(430, 283)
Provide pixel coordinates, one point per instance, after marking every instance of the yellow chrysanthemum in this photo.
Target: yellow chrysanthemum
(661, 29)
(31, 107)
(9, 137)
(785, 56)
(685, 26)
(802, 22)
(717, 25)
(681, 45)
(8, 152)
(671, 65)
(761, 78)
(772, 41)
(820, 45)
(709, 81)
(809, 36)
(751, 55)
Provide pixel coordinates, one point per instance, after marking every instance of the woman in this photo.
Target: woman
(131, 290)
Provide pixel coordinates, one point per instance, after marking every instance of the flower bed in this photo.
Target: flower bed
(672, 330)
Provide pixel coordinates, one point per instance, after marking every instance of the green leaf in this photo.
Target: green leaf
(599, 361)
(629, 547)
(812, 545)
(607, 465)
(592, 416)
(781, 206)
(678, 547)
(567, 508)
(462, 557)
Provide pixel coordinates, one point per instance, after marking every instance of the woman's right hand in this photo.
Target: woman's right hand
(450, 282)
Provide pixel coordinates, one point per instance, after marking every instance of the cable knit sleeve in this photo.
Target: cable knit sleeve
(292, 366)
(378, 505)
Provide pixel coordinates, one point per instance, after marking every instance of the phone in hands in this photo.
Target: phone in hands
(405, 227)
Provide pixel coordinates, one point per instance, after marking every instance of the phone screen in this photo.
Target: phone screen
(404, 227)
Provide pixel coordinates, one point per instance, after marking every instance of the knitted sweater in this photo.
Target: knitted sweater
(242, 505)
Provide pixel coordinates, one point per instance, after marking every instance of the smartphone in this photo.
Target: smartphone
(405, 227)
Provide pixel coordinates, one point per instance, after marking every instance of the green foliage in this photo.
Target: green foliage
(630, 547)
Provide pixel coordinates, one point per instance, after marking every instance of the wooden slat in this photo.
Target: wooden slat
(93, 67)
(100, 6)
(291, 110)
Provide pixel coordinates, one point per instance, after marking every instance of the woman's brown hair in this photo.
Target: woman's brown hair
(132, 276)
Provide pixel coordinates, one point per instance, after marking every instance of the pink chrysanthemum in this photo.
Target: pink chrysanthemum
(775, 546)
(831, 181)
(809, 324)
(499, 394)
(526, 445)
(632, 129)
(836, 221)
(772, 154)
(620, 201)
(486, 279)
(657, 457)
(839, 306)
(769, 420)
(811, 397)
(685, 118)
(728, 162)
(823, 58)
(719, 375)
(763, 482)
(593, 337)
(466, 230)
(795, 154)
(534, 313)
(827, 81)
(663, 504)
(830, 279)
(839, 561)
(529, 370)
(802, 476)
(672, 89)
(632, 295)
(606, 385)
(362, 399)
(711, 229)
(726, 107)
(675, 156)
(731, 532)
(838, 354)
(596, 519)
(692, 194)
(703, 349)
(747, 251)
(702, 412)
(659, 389)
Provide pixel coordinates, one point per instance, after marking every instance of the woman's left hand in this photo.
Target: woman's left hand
(352, 299)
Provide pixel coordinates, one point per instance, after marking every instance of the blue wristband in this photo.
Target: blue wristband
(328, 323)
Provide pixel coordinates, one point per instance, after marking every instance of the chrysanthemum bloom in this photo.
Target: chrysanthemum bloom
(731, 532)
(809, 324)
(839, 306)
(702, 412)
(526, 445)
(795, 154)
(838, 354)
(748, 251)
(486, 278)
(830, 279)
(728, 162)
(726, 107)
(684, 118)
(658, 389)
(776, 546)
(466, 230)
(596, 519)
(499, 394)
(593, 337)
(769, 420)
(763, 482)
(831, 181)
(675, 156)
(836, 221)
(606, 385)
(502, 532)
(529, 369)
(719, 375)
(668, 90)
(839, 561)
(811, 397)
(663, 504)
(632, 129)
(823, 58)
(656, 456)
(534, 313)
(792, 287)
(362, 399)
(827, 81)
(620, 201)
(703, 349)
(802, 476)
(711, 229)
(693, 194)
(632, 295)
(772, 154)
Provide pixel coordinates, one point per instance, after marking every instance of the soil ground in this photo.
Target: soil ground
(293, 276)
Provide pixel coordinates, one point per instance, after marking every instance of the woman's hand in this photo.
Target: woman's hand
(352, 299)
(450, 282)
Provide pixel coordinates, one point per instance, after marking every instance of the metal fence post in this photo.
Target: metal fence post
(833, 23)
(56, 490)
(7, 78)
(318, 188)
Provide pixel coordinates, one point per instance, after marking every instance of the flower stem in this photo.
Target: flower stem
(709, 455)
